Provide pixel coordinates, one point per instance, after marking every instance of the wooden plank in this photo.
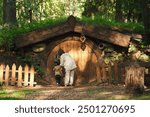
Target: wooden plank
(1, 73)
(19, 83)
(103, 72)
(98, 73)
(26, 75)
(109, 73)
(32, 71)
(13, 79)
(7, 75)
(122, 74)
(115, 71)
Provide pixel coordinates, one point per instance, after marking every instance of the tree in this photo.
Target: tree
(1, 12)
(9, 11)
(119, 12)
(145, 4)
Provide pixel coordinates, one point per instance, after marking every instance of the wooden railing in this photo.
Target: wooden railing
(20, 77)
(115, 72)
(112, 73)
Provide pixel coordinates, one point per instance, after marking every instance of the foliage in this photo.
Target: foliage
(32, 61)
(7, 34)
(106, 22)
(47, 9)
(1, 12)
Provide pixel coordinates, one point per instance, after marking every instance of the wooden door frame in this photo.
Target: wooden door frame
(88, 42)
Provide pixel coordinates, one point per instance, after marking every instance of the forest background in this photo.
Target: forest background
(21, 16)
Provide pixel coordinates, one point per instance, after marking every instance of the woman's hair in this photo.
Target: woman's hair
(60, 51)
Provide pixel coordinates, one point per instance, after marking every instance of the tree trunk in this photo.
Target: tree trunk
(134, 78)
(145, 4)
(9, 11)
(118, 7)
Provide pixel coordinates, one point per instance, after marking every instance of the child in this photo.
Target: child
(58, 73)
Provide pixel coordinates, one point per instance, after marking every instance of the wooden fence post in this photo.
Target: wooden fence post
(7, 75)
(32, 76)
(109, 73)
(115, 71)
(19, 76)
(122, 75)
(1, 73)
(26, 75)
(103, 72)
(13, 79)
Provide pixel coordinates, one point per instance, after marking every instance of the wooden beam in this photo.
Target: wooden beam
(103, 34)
(42, 34)
(71, 25)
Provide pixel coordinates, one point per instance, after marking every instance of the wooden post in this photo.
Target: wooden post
(7, 75)
(32, 76)
(98, 73)
(115, 71)
(19, 83)
(134, 79)
(122, 75)
(26, 75)
(13, 79)
(103, 72)
(109, 73)
(1, 73)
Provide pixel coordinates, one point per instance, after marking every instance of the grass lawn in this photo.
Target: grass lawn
(73, 93)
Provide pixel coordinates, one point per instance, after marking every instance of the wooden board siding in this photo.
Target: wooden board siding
(86, 61)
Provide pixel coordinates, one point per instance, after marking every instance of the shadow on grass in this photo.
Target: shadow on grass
(144, 96)
(10, 98)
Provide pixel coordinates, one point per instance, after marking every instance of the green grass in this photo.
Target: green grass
(145, 96)
(95, 94)
(130, 26)
(7, 35)
(6, 94)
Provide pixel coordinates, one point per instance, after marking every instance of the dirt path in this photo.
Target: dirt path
(78, 93)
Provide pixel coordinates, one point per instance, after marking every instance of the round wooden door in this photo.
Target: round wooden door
(86, 61)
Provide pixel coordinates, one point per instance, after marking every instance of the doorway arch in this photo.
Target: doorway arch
(87, 61)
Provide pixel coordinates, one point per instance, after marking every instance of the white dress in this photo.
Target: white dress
(69, 64)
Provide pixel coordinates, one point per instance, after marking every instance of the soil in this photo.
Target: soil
(78, 93)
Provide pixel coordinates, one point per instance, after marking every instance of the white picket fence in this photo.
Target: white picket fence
(20, 77)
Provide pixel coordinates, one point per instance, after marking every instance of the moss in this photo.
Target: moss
(7, 34)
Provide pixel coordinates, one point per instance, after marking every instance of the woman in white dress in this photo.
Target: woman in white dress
(69, 65)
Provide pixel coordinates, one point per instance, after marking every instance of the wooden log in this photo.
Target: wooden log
(104, 34)
(134, 79)
(19, 83)
(42, 34)
(72, 25)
